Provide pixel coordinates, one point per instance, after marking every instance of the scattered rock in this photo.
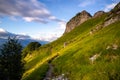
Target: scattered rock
(108, 47)
(91, 32)
(60, 77)
(114, 46)
(94, 57)
(111, 20)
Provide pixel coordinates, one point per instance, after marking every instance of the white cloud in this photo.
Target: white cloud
(30, 19)
(2, 30)
(43, 36)
(28, 10)
(5, 34)
(52, 17)
(51, 36)
(86, 3)
(62, 25)
(46, 36)
(25, 34)
(39, 37)
(109, 7)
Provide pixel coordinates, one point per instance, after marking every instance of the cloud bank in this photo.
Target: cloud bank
(39, 37)
(28, 10)
(5, 34)
(46, 36)
(23, 39)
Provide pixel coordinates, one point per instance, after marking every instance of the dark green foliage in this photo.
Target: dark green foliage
(31, 47)
(11, 66)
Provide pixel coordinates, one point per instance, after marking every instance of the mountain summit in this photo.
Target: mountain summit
(77, 20)
(99, 13)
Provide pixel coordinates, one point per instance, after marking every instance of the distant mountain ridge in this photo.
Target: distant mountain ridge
(23, 39)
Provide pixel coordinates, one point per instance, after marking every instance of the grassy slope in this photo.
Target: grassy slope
(73, 60)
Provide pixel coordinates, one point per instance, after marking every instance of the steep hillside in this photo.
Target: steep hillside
(91, 51)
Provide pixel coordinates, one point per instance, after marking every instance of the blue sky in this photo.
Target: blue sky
(45, 19)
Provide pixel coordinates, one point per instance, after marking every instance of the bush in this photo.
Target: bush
(30, 47)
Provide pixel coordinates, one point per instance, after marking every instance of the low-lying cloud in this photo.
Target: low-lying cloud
(5, 34)
(28, 10)
(23, 38)
(40, 36)
(47, 36)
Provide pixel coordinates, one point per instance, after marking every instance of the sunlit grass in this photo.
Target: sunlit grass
(73, 60)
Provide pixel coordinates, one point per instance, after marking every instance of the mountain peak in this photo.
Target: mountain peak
(84, 12)
(99, 13)
(77, 20)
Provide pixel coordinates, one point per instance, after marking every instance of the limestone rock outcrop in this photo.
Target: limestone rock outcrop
(77, 20)
(111, 17)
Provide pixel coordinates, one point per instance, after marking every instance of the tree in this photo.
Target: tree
(11, 65)
(30, 47)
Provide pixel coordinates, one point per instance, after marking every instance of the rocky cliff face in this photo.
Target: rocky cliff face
(77, 20)
(112, 16)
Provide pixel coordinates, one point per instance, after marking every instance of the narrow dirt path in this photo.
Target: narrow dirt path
(49, 72)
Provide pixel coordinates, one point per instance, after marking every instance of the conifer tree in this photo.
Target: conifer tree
(11, 66)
